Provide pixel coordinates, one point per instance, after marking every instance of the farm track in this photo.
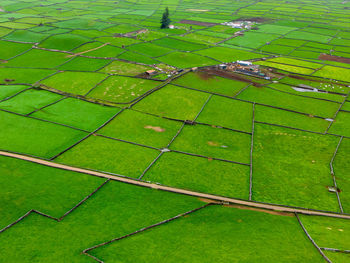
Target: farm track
(177, 190)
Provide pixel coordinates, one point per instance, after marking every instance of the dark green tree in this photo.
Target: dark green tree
(165, 22)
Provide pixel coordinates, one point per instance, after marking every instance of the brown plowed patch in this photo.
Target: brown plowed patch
(334, 58)
(230, 75)
(197, 23)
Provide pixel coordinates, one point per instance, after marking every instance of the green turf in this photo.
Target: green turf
(77, 113)
(186, 60)
(10, 90)
(64, 241)
(74, 82)
(328, 232)
(64, 42)
(36, 58)
(142, 128)
(288, 101)
(232, 180)
(29, 186)
(109, 155)
(214, 142)
(292, 168)
(206, 82)
(29, 101)
(84, 64)
(341, 169)
(11, 49)
(216, 113)
(253, 237)
(124, 68)
(122, 89)
(30, 136)
(173, 102)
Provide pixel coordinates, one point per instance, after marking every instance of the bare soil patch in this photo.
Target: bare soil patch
(230, 75)
(334, 58)
(155, 128)
(198, 23)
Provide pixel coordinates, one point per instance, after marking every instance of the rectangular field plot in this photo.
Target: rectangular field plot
(341, 124)
(276, 98)
(292, 168)
(29, 101)
(23, 75)
(211, 83)
(150, 49)
(27, 186)
(107, 155)
(331, 72)
(124, 68)
(36, 58)
(10, 90)
(228, 113)
(115, 210)
(84, 64)
(74, 82)
(96, 49)
(221, 234)
(214, 142)
(252, 39)
(77, 113)
(122, 89)
(225, 54)
(290, 119)
(30, 136)
(64, 42)
(201, 175)
(342, 169)
(142, 128)
(289, 68)
(328, 232)
(173, 102)
(11, 49)
(186, 60)
(178, 44)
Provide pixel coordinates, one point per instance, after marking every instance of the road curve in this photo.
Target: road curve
(176, 190)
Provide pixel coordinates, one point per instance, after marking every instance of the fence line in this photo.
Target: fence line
(251, 156)
(312, 241)
(333, 175)
(85, 251)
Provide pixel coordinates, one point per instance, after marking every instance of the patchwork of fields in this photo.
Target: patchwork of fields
(98, 85)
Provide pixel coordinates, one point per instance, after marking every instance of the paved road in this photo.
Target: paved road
(175, 190)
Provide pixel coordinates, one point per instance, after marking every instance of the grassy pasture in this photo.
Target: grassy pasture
(77, 113)
(211, 83)
(214, 142)
(29, 186)
(29, 100)
(208, 229)
(142, 128)
(293, 175)
(74, 82)
(97, 215)
(174, 102)
(109, 155)
(233, 179)
(122, 89)
(30, 136)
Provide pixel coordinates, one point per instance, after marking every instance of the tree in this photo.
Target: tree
(165, 22)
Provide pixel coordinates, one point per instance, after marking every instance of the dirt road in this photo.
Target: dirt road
(176, 190)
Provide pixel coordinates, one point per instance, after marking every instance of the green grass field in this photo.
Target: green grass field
(97, 90)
